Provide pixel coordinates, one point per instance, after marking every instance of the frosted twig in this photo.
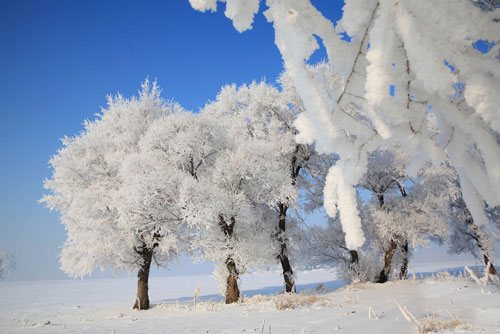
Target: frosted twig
(359, 53)
(263, 324)
(486, 276)
(452, 315)
(473, 275)
(196, 294)
(372, 314)
(410, 317)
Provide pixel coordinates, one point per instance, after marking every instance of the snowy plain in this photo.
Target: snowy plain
(457, 305)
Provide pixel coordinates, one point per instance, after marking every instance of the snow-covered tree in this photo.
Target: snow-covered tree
(259, 166)
(385, 179)
(213, 169)
(89, 188)
(7, 264)
(282, 166)
(188, 150)
(398, 213)
(405, 212)
(270, 114)
(393, 44)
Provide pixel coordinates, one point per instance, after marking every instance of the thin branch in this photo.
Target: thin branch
(359, 53)
(357, 96)
(449, 139)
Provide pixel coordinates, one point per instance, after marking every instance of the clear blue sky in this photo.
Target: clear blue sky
(58, 61)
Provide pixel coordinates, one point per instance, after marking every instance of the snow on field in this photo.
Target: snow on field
(104, 306)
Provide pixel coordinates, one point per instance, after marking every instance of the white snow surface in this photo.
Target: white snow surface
(104, 306)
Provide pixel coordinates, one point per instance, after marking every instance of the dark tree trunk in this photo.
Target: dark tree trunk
(380, 200)
(388, 254)
(383, 276)
(492, 270)
(232, 290)
(403, 273)
(283, 256)
(353, 265)
(354, 256)
(477, 237)
(142, 300)
(295, 167)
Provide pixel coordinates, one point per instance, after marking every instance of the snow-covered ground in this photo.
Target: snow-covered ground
(104, 306)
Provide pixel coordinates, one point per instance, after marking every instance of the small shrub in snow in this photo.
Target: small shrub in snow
(432, 324)
(292, 301)
(363, 271)
(435, 324)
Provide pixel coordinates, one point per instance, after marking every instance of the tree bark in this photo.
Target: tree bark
(232, 290)
(380, 200)
(492, 270)
(142, 300)
(388, 254)
(283, 256)
(403, 273)
(354, 256)
(353, 265)
(477, 237)
(383, 276)
(295, 167)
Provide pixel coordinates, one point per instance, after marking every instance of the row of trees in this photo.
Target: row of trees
(147, 180)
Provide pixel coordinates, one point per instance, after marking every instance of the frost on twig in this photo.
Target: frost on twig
(485, 279)
(197, 292)
(481, 281)
(430, 324)
(410, 317)
(372, 314)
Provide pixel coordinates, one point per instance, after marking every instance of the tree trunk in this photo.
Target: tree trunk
(403, 273)
(354, 256)
(492, 270)
(388, 254)
(232, 290)
(383, 276)
(476, 236)
(353, 265)
(380, 200)
(283, 257)
(295, 167)
(142, 300)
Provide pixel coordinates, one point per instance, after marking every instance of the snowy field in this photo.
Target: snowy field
(458, 305)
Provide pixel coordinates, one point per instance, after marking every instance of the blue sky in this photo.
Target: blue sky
(59, 60)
